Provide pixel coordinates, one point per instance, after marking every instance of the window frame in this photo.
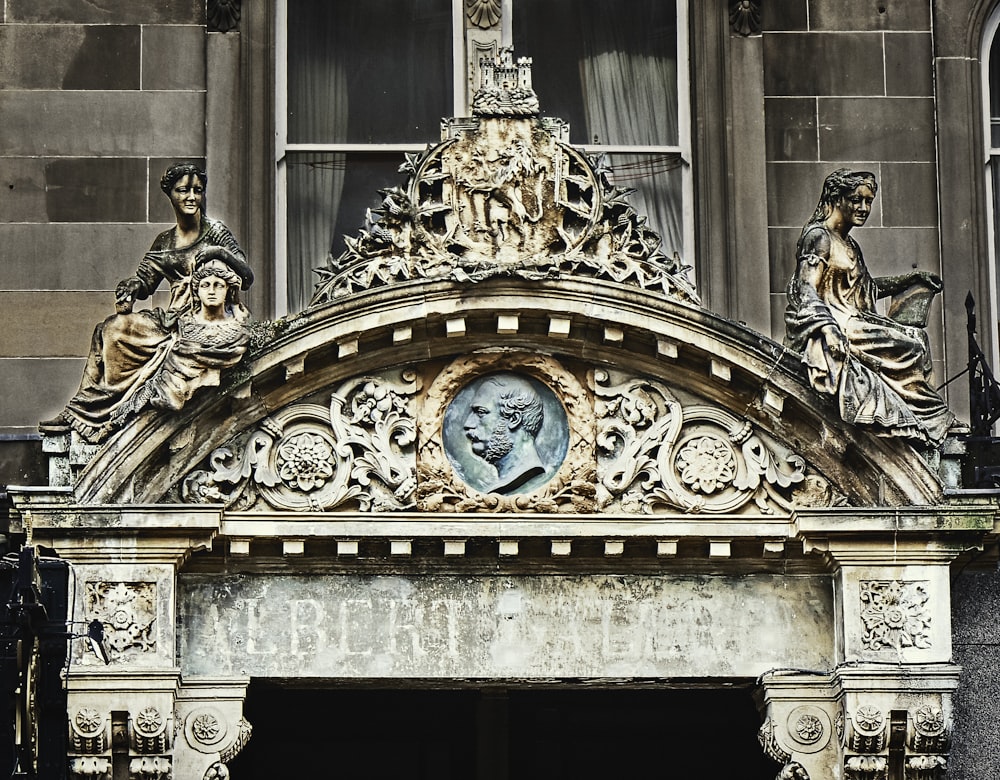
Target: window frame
(282, 147)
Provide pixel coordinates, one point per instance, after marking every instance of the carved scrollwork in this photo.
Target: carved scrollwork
(925, 767)
(150, 768)
(90, 768)
(243, 732)
(866, 768)
(768, 739)
(564, 480)
(311, 458)
(503, 196)
(128, 612)
(895, 614)
(655, 453)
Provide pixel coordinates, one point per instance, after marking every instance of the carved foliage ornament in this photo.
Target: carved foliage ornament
(563, 478)
(128, 612)
(306, 457)
(653, 453)
(504, 197)
(895, 615)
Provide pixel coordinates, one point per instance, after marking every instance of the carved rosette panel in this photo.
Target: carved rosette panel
(89, 731)
(655, 454)
(357, 453)
(503, 196)
(128, 612)
(570, 482)
(206, 729)
(809, 728)
(149, 732)
(867, 730)
(895, 615)
(929, 731)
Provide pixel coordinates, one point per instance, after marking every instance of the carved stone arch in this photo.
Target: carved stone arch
(591, 323)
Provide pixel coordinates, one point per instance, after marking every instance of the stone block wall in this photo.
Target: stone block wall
(96, 99)
(850, 84)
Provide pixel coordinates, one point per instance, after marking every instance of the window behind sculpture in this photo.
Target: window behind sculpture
(359, 84)
(991, 102)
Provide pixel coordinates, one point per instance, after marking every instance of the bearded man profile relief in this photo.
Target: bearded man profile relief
(504, 419)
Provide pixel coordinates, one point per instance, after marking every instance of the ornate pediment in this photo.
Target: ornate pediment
(504, 194)
(506, 334)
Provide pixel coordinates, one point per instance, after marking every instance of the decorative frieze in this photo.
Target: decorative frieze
(895, 614)
(357, 453)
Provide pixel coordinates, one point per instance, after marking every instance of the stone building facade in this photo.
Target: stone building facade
(698, 532)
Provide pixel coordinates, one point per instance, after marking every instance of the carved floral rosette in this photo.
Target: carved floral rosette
(356, 453)
(895, 614)
(655, 454)
(128, 612)
(570, 488)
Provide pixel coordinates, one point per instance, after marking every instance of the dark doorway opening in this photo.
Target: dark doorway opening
(496, 734)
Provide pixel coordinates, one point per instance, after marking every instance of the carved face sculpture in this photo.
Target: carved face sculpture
(186, 195)
(856, 207)
(212, 292)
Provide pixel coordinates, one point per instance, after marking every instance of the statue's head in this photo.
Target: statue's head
(178, 171)
(506, 412)
(837, 186)
(221, 263)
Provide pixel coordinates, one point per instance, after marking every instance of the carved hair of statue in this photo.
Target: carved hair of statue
(839, 184)
(517, 396)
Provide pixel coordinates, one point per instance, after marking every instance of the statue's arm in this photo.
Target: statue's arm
(812, 266)
(146, 279)
(894, 285)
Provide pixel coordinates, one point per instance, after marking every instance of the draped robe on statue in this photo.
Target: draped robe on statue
(128, 350)
(884, 380)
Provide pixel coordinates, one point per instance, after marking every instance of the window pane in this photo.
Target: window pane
(658, 196)
(328, 195)
(609, 67)
(378, 71)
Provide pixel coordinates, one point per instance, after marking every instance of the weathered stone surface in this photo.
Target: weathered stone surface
(69, 56)
(73, 190)
(785, 15)
(869, 15)
(36, 322)
(100, 123)
(908, 64)
(104, 11)
(790, 133)
(909, 195)
(898, 129)
(173, 57)
(36, 255)
(47, 379)
(439, 626)
(803, 64)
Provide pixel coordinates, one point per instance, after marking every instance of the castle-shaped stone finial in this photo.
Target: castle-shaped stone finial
(505, 88)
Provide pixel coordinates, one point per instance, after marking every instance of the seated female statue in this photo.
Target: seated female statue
(129, 347)
(878, 369)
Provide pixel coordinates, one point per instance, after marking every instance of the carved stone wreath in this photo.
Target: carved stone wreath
(440, 488)
(307, 457)
(656, 454)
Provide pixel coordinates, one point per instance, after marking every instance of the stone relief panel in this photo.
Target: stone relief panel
(128, 612)
(504, 195)
(895, 614)
(503, 431)
(358, 453)
(655, 453)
